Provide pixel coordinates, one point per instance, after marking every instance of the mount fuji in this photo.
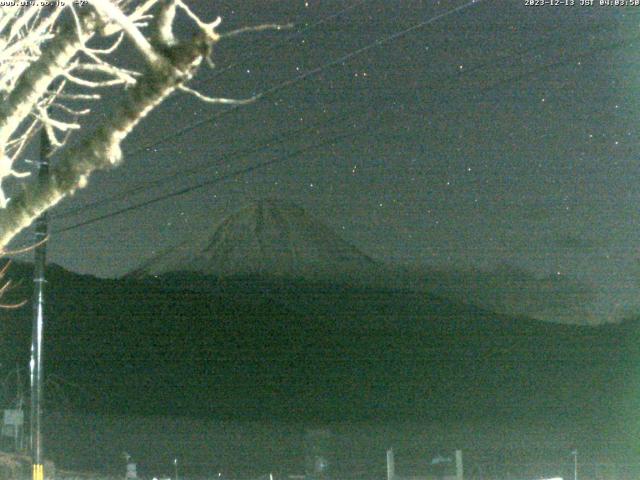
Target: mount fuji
(265, 238)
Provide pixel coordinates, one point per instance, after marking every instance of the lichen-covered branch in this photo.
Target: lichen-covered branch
(35, 80)
(49, 52)
(102, 149)
(113, 13)
(38, 47)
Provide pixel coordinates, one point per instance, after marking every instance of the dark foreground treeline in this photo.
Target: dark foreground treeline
(275, 350)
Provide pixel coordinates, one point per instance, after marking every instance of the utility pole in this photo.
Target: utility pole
(41, 230)
(391, 465)
(575, 463)
(19, 444)
(459, 466)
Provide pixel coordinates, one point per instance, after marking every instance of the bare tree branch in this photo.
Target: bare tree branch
(36, 79)
(41, 54)
(103, 149)
(256, 28)
(113, 13)
(218, 100)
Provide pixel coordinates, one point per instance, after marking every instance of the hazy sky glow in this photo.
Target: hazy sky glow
(499, 135)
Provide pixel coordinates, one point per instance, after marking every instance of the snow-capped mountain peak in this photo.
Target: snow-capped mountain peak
(266, 237)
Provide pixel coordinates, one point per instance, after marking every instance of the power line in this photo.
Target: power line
(311, 73)
(283, 85)
(317, 70)
(308, 28)
(278, 138)
(282, 136)
(564, 61)
(282, 159)
(273, 46)
(206, 183)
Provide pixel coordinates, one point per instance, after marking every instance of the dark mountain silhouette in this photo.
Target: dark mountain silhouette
(514, 291)
(302, 352)
(261, 348)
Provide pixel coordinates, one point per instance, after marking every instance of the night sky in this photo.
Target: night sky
(501, 137)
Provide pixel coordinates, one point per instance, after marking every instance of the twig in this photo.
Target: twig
(218, 100)
(256, 28)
